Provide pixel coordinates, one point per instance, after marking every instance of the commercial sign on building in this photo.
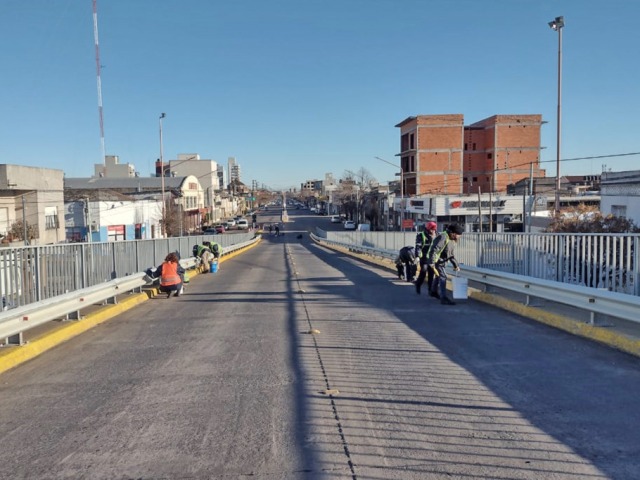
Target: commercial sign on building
(438, 206)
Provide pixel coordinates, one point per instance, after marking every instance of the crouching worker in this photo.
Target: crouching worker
(170, 273)
(406, 263)
(214, 248)
(204, 254)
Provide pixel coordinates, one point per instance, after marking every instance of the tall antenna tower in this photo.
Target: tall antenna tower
(95, 38)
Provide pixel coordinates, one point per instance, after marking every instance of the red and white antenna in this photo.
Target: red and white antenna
(95, 37)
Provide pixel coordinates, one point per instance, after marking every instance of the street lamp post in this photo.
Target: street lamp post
(164, 227)
(401, 189)
(558, 24)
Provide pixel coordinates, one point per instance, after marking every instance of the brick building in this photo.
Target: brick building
(439, 155)
(431, 154)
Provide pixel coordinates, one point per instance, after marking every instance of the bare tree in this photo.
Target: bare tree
(588, 219)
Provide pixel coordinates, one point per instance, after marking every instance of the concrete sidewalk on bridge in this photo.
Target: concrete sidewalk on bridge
(620, 334)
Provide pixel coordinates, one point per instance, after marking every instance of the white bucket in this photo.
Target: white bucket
(460, 285)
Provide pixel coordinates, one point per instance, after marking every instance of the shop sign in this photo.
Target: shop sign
(474, 204)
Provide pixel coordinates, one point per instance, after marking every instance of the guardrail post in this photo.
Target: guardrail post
(560, 258)
(513, 253)
(14, 339)
(636, 265)
(37, 266)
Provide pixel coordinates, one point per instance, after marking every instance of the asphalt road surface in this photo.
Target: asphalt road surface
(226, 382)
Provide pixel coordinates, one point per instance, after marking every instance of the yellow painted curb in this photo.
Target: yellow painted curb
(13, 356)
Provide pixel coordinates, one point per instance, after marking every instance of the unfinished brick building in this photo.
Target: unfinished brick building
(439, 155)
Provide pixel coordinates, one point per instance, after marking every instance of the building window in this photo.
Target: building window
(51, 218)
(412, 142)
(465, 146)
(489, 156)
(473, 147)
(619, 210)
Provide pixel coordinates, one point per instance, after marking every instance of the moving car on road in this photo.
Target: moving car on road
(349, 225)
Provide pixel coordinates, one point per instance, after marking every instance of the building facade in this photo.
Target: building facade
(440, 155)
(112, 168)
(31, 200)
(501, 150)
(620, 194)
(431, 154)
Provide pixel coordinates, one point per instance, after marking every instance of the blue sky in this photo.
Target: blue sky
(294, 89)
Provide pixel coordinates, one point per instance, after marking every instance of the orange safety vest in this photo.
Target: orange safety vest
(169, 274)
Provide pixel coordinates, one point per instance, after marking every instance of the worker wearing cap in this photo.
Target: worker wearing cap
(423, 243)
(441, 252)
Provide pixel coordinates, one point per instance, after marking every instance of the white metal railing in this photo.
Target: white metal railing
(16, 321)
(35, 273)
(608, 261)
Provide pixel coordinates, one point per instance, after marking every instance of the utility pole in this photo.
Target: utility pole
(163, 221)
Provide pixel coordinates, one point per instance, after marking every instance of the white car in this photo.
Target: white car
(243, 224)
(336, 219)
(349, 225)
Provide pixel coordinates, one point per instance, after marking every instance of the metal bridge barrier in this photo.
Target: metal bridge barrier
(41, 284)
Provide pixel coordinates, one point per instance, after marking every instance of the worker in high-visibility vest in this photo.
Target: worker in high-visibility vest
(441, 252)
(170, 273)
(423, 243)
(204, 253)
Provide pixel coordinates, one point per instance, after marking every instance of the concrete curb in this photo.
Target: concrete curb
(13, 356)
(602, 335)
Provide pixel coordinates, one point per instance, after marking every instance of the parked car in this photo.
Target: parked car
(219, 228)
(349, 225)
(242, 224)
(364, 227)
(336, 219)
(210, 231)
(230, 222)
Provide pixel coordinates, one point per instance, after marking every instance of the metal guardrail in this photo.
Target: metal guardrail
(602, 260)
(592, 300)
(14, 322)
(34, 273)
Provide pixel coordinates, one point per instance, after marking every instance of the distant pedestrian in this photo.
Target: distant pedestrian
(441, 252)
(270, 229)
(277, 230)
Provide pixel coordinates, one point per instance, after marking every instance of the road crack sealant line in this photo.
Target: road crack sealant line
(334, 408)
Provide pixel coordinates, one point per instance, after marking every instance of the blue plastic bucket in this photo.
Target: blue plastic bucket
(213, 267)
